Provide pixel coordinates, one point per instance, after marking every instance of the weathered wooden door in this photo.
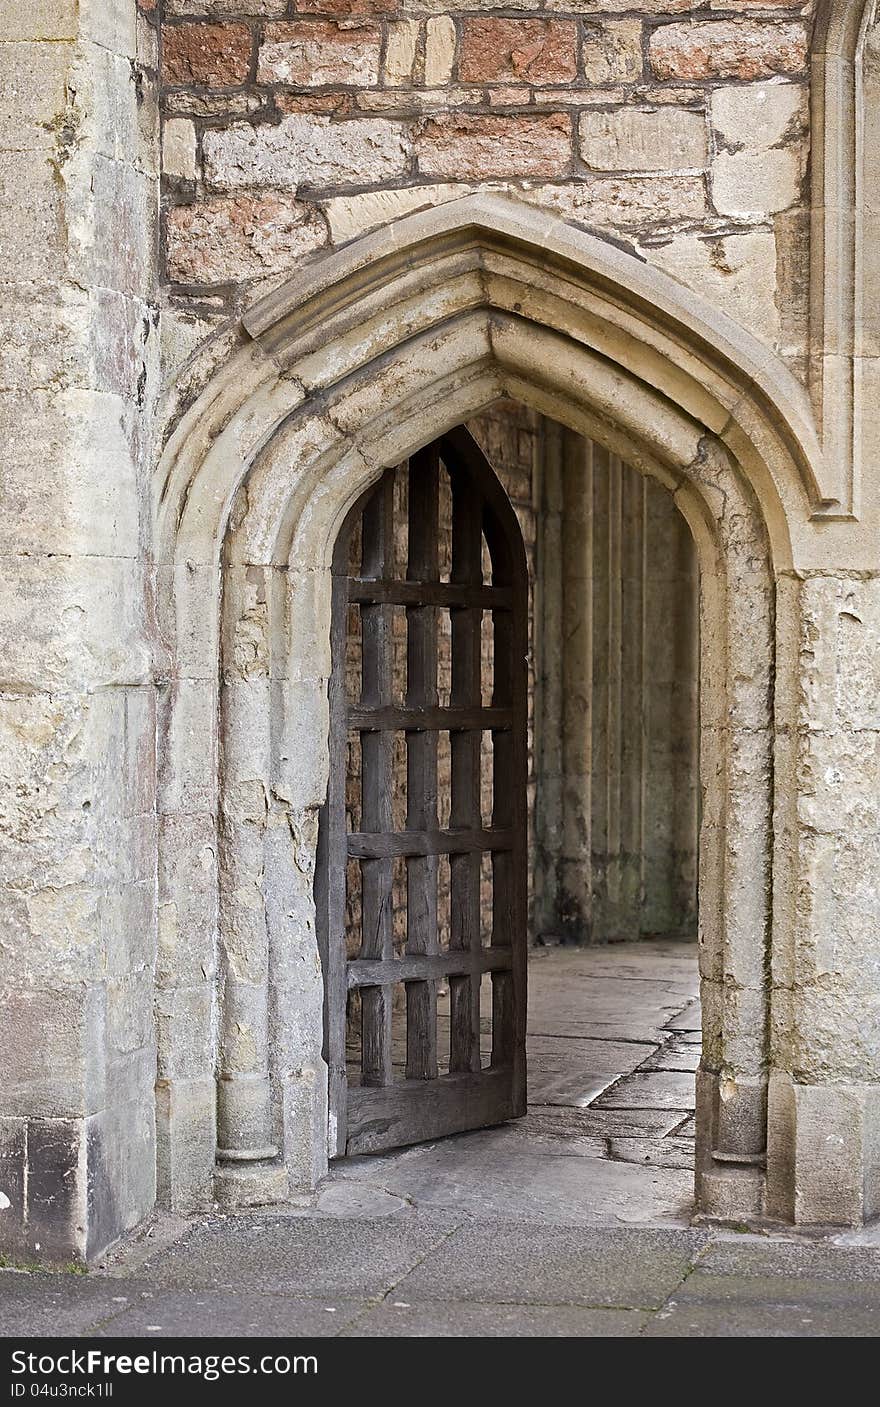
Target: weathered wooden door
(421, 883)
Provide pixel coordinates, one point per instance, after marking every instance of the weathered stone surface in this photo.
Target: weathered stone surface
(234, 237)
(179, 149)
(354, 214)
(305, 150)
(727, 49)
(400, 52)
(440, 42)
(606, 200)
(456, 147)
(612, 52)
(738, 273)
(629, 139)
(207, 53)
(532, 51)
(316, 52)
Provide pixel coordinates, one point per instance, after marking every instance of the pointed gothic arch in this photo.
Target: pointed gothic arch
(349, 368)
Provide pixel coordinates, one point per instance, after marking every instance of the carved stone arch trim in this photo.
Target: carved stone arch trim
(836, 239)
(390, 344)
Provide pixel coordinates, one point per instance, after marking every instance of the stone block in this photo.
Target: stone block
(51, 20)
(440, 41)
(400, 52)
(460, 147)
(68, 622)
(179, 149)
(69, 481)
(612, 52)
(623, 201)
(517, 50)
(213, 55)
(13, 1182)
(758, 116)
(33, 95)
(52, 1051)
(736, 273)
(187, 899)
(304, 1103)
(32, 230)
(751, 185)
(633, 139)
(313, 53)
(228, 239)
(186, 1143)
(351, 215)
(727, 49)
(100, 258)
(822, 1152)
(184, 1019)
(187, 725)
(57, 1215)
(308, 150)
(194, 9)
(121, 1170)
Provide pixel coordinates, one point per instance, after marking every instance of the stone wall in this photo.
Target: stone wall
(616, 641)
(78, 364)
(677, 129)
(677, 132)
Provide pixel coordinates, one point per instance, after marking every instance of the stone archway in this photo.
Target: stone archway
(381, 348)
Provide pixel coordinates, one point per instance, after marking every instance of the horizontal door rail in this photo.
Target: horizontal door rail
(429, 593)
(424, 967)
(368, 845)
(389, 718)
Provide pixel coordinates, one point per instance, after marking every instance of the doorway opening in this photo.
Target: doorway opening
(513, 783)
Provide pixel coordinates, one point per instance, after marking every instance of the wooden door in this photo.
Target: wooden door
(421, 883)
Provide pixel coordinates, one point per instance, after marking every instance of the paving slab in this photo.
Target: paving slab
(195, 1314)
(502, 1264)
(688, 1020)
(39, 1305)
(659, 1089)
(300, 1255)
(677, 1054)
(753, 1255)
(487, 1179)
(555, 1121)
(768, 1306)
(669, 1152)
(498, 1321)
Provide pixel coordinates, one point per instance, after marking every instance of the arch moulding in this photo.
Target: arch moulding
(351, 366)
(838, 240)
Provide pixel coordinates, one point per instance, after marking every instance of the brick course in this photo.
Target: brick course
(213, 55)
(571, 106)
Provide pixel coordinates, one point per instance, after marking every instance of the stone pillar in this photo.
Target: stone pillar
(77, 718)
(671, 706)
(548, 737)
(245, 1134)
(575, 897)
(823, 1152)
(633, 761)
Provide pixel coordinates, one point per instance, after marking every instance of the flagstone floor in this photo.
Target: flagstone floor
(613, 1043)
(573, 1222)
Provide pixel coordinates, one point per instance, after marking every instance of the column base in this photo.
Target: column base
(251, 1184)
(823, 1153)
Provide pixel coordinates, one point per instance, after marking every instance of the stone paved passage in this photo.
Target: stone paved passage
(573, 1222)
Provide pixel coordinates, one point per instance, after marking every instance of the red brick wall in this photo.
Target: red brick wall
(289, 125)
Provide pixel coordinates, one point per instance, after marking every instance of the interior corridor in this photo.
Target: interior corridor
(613, 1043)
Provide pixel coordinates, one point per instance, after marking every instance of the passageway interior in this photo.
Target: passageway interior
(613, 1041)
(612, 778)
